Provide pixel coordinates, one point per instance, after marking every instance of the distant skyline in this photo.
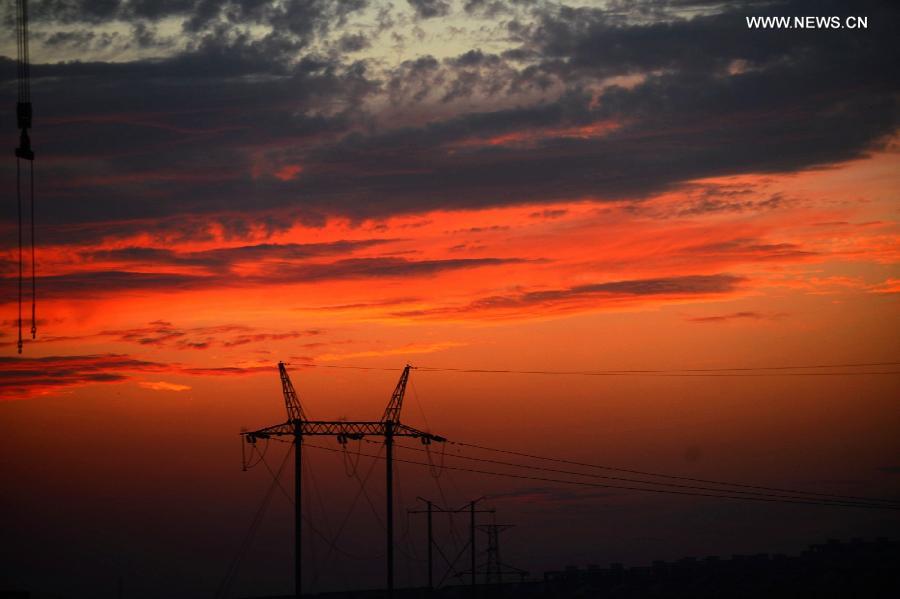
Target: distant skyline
(474, 184)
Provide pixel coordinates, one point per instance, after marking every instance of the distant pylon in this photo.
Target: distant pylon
(494, 569)
(469, 507)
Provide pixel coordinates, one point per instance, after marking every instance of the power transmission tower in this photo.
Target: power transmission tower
(494, 568)
(299, 426)
(469, 507)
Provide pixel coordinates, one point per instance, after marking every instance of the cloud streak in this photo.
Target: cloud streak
(29, 377)
(163, 386)
(734, 316)
(589, 296)
(104, 283)
(24, 378)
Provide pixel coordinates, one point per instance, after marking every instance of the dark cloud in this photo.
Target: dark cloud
(427, 9)
(26, 377)
(174, 229)
(146, 37)
(75, 39)
(686, 285)
(721, 318)
(22, 378)
(228, 370)
(174, 134)
(102, 283)
(714, 202)
(374, 304)
(223, 259)
(314, 16)
(594, 294)
(301, 18)
(644, 36)
(158, 332)
(549, 213)
(162, 333)
(488, 8)
(378, 268)
(158, 9)
(76, 11)
(202, 133)
(259, 337)
(353, 42)
(750, 249)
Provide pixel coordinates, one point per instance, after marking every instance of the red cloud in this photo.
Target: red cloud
(22, 378)
(29, 377)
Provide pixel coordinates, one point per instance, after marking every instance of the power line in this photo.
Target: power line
(332, 542)
(739, 371)
(630, 488)
(687, 372)
(735, 488)
(666, 370)
(633, 480)
(670, 476)
(695, 372)
(231, 573)
(342, 367)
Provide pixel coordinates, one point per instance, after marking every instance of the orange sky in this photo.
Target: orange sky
(721, 263)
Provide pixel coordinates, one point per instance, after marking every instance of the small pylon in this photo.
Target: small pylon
(495, 570)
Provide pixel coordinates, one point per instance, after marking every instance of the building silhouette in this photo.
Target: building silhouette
(835, 569)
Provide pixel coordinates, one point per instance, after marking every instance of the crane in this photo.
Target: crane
(24, 152)
(298, 426)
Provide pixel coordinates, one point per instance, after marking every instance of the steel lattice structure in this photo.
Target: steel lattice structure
(298, 426)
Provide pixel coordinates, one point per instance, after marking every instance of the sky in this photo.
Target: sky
(471, 184)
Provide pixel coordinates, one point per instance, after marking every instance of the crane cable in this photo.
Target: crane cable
(19, 202)
(33, 268)
(21, 341)
(24, 152)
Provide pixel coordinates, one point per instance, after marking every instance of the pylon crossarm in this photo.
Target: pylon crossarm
(402, 430)
(343, 428)
(339, 428)
(285, 428)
